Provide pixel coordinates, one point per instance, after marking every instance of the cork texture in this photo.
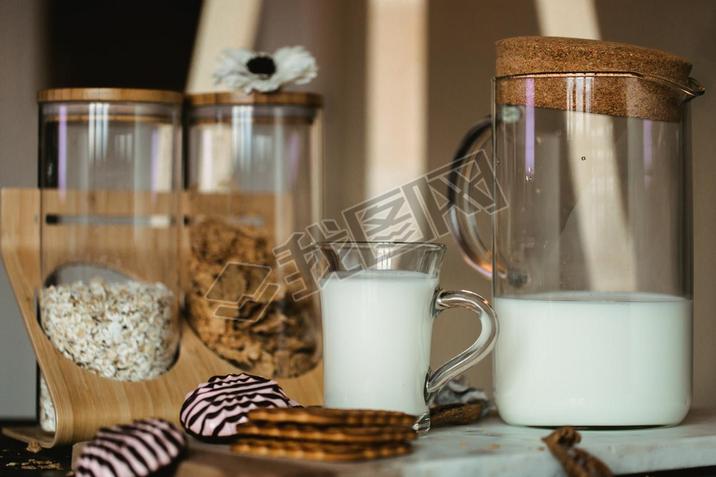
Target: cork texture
(615, 96)
(609, 78)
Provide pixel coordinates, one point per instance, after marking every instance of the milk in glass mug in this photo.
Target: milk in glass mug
(378, 302)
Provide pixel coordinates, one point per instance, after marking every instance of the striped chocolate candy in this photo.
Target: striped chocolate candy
(213, 410)
(132, 450)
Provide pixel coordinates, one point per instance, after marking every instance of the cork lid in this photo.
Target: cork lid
(281, 98)
(536, 54)
(118, 95)
(614, 78)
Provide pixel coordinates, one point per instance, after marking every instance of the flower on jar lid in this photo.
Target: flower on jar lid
(249, 70)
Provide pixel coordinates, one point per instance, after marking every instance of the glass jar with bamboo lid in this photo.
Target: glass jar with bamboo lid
(110, 174)
(253, 180)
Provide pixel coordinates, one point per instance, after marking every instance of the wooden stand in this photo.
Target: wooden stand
(85, 401)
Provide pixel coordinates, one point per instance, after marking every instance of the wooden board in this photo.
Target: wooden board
(85, 401)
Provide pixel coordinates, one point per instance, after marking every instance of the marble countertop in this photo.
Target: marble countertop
(492, 448)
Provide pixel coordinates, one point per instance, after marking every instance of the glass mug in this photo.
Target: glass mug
(590, 258)
(378, 302)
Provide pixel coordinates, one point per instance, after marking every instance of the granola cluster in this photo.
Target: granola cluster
(239, 305)
(119, 330)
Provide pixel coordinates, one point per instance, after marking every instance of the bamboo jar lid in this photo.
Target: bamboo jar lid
(281, 98)
(617, 78)
(202, 113)
(116, 95)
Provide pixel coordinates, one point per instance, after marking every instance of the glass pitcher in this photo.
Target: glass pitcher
(591, 257)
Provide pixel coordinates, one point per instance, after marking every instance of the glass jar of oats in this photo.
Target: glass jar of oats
(254, 190)
(109, 172)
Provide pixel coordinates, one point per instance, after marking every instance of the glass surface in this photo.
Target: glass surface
(109, 175)
(254, 181)
(597, 203)
(378, 302)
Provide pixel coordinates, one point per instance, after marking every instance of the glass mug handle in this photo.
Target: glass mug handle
(464, 229)
(446, 299)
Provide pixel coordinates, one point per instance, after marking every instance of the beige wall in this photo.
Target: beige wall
(334, 31)
(461, 35)
(21, 75)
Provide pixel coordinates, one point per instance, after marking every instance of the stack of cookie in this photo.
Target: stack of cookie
(335, 435)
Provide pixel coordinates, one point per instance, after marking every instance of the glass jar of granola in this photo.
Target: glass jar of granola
(254, 189)
(109, 172)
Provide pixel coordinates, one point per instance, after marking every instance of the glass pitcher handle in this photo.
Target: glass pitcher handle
(462, 224)
(479, 349)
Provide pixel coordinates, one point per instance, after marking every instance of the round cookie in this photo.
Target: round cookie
(144, 447)
(368, 435)
(320, 451)
(212, 411)
(322, 416)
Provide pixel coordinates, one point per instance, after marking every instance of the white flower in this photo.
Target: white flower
(249, 70)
